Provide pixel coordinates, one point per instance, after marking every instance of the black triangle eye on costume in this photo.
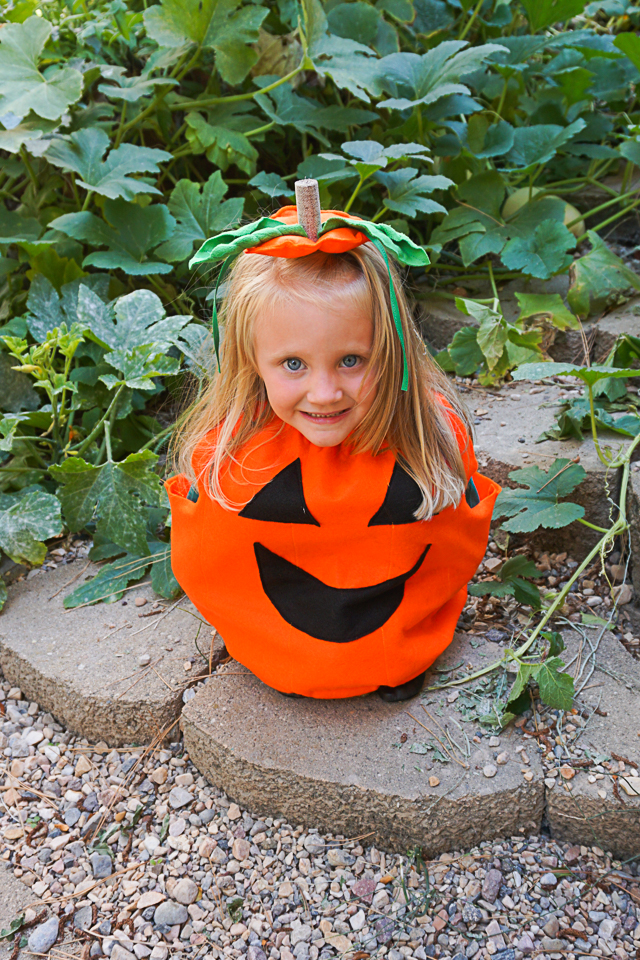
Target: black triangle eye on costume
(281, 500)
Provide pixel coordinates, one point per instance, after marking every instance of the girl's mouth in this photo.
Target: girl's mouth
(324, 417)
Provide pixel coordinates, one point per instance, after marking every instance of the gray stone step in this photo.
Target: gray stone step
(82, 665)
(346, 766)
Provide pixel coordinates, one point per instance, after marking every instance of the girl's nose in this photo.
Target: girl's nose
(324, 389)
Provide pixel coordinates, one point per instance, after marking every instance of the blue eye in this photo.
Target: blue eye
(293, 364)
(350, 361)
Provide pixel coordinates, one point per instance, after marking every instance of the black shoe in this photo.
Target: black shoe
(404, 691)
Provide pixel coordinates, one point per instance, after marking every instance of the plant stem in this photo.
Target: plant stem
(616, 216)
(107, 437)
(121, 125)
(594, 430)
(263, 129)
(191, 64)
(96, 430)
(354, 195)
(214, 101)
(471, 20)
(602, 206)
(591, 525)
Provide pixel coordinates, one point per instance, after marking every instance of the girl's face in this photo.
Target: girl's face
(312, 359)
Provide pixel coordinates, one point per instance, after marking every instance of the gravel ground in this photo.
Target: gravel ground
(134, 853)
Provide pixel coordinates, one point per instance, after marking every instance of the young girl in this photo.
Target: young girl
(339, 513)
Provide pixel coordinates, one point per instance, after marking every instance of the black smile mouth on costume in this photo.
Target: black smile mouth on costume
(329, 613)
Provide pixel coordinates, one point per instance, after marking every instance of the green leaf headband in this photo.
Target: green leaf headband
(228, 245)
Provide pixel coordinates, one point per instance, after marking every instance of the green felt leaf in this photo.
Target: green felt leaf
(114, 493)
(414, 79)
(539, 504)
(408, 192)
(543, 13)
(23, 88)
(217, 24)
(109, 583)
(589, 375)
(83, 151)
(350, 64)
(250, 235)
(599, 279)
(549, 305)
(629, 43)
(200, 210)
(543, 252)
(128, 230)
(26, 519)
(556, 688)
(396, 243)
(539, 143)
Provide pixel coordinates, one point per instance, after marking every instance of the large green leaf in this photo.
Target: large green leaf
(413, 79)
(83, 151)
(407, 192)
(26, 519)
(138, 366)
(23, 88)
(543, 252)
(223, 145)
(599, 279)
(134, 320)
(589, 375)
(114, 493)
(544, 13)
(12, 137)
(109, 583)
(131, 89)
(539, 504)
(549, 305)
(200, 211)
(539, 143)
(162, 578)
(128, 230)
(556, 688)
(351, 65)
(629, 43)
(218, 24)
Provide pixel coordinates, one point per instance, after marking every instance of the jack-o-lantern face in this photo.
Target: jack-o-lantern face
(325, 584)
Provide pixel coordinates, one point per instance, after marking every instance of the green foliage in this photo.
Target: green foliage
(130, 134)
(510, 582)
(538, 505)
(26, 519)
(556, 688)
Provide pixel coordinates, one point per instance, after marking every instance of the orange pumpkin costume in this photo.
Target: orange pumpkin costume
(325, 584)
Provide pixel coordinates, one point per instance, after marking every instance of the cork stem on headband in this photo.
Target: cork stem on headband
(308, 207)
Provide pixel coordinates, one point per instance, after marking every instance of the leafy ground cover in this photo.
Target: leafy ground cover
(493, 133)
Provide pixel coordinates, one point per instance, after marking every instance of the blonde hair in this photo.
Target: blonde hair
(415, 424)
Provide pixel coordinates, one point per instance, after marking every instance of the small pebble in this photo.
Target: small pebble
(489, 770)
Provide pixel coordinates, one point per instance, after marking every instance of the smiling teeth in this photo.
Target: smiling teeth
(325, 416)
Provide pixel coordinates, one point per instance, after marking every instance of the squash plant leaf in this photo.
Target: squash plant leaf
(218, 24)
(465, 352)
(83, 152)
(12, 138)
(408, 192)
(547, 305)
(272, 185)
(599, 280)
(544, 13)
(350, 64)
(23, 89)
(200, 211)
(287, 108)
(162, 578)
(26, 519)
(128, 230)
(109, 583)
(539, 143)
(414, 79)
(114, 494)
(556, 688)
(543, 252)
(629, 44)
(137, 367)
(511, 582)
(539, 504)
(131, 89)
(223, 145)
(589, 375)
